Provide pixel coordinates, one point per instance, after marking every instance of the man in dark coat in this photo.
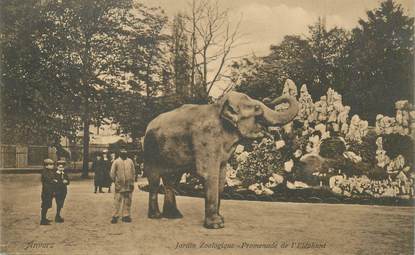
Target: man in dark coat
(107, 182)
(99, 169)
(61, 189)
(49, 182)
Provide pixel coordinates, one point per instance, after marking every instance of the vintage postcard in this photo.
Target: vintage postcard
(207, 127)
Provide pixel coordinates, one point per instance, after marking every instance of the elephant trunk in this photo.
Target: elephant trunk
(281, 117)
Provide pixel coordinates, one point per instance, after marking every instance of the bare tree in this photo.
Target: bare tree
(211, 41)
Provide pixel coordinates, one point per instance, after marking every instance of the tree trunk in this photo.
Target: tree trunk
(85, 141)
(85, 160)
(86, 75)
(193, 42)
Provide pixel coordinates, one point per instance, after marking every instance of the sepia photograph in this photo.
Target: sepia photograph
(158, 127)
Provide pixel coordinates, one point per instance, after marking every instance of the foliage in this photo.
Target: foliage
(133, 111)
(68, 64)
(250, 77)
(366, 149)
(328, 48)
(81, 49)
(80, 45)
(380, 61)
(396, 144)
(264, 160)
(146, 68)
(149, 88)
(332, 148)
(180, 56)
(311, 60)
(27, 101)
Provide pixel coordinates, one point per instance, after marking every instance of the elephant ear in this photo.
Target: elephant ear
(230, 112)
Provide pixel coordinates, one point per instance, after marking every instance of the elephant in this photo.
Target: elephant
(202, 138)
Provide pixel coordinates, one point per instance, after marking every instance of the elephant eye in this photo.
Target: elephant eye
(257, 107)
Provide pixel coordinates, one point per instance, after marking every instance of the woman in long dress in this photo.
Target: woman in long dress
(107, 168)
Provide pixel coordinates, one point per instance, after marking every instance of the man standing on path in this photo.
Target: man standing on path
(99, 169)
(122, 174)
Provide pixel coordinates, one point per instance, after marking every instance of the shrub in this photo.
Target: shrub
(264, 160)
(396, 144)
(332, 148)
(366, 149)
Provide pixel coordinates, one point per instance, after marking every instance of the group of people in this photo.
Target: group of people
(102, 167)
(54, 182)
(121, 171)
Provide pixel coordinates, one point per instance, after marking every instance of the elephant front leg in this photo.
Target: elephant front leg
(208, 167)
(212, 218)
(222, 181)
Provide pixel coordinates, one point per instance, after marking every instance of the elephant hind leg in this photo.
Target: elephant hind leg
(170, 210)
(153, 177)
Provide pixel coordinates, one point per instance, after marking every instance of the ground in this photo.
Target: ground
(336, 229)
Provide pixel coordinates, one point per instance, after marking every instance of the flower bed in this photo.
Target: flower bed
(311, 195)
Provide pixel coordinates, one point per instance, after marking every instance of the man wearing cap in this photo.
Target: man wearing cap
(122, 174)
(61, 189)
(49, 182)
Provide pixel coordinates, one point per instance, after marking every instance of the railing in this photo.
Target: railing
(36, 155)
(8, 156)
(26, 156)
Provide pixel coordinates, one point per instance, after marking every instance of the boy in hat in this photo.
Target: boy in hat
(49, 182)
(122, 173)
(61, 189)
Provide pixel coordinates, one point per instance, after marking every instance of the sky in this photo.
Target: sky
(266, 22)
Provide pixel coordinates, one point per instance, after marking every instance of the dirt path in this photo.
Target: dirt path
(335, 229)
